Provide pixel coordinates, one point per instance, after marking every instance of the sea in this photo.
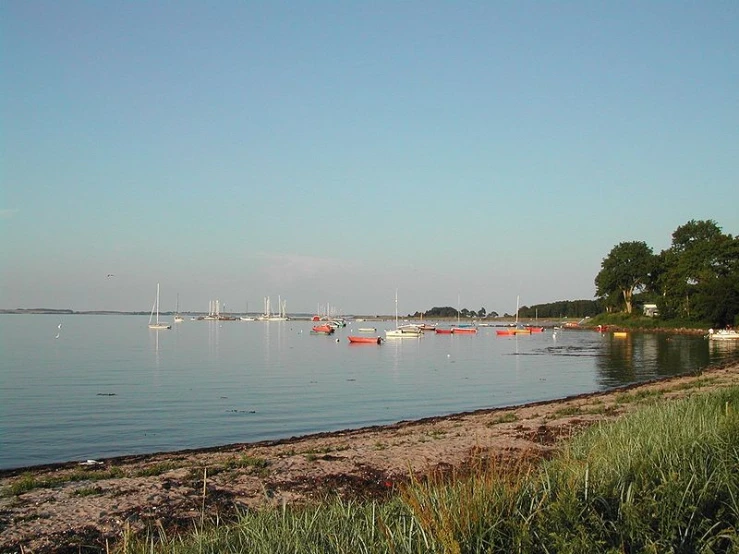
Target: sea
(80, 387)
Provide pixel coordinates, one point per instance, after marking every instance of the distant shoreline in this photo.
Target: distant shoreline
(293, 317)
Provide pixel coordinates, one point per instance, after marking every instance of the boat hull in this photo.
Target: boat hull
(723, 334)
(365, 340)
(402, 334)
(464, 330)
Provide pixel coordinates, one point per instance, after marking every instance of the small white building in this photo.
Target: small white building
(650, 310)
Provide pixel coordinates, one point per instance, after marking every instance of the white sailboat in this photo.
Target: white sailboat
(177, 317)
(280, 316)
(157, 324)
(402, 332)
(246, 317)
(282, 313)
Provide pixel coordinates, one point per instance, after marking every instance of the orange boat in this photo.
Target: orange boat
(536, 329)
(323, 329)
(505, 332)
(365, 340)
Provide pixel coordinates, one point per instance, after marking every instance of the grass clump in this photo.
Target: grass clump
(510, 417)
(28, 482)
(247, 462)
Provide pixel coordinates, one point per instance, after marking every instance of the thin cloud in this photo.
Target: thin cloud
(288, 268)
(7, 213)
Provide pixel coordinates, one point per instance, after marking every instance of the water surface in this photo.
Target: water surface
(110, 386)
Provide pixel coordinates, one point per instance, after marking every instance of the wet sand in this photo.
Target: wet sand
(85, 505)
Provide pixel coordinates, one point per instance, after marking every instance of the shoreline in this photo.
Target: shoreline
(69, 505)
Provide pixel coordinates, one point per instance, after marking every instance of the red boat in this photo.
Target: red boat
(323, 329)
(443, 331)
(464, 330)
(365, 340)
(505, 332)
(536, 329)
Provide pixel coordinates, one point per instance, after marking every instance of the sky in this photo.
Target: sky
(461, 153)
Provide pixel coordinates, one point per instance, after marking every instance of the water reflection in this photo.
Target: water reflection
(641, 356)
(155, 345)
(724, 349)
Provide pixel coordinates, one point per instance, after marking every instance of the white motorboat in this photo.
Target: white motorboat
(723, 334)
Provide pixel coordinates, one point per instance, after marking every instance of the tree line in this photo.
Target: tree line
(696, 279)
(554, 310)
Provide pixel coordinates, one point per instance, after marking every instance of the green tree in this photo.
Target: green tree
(697, 277)
(625, 270)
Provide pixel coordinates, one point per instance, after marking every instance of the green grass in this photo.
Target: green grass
(28, 482)
(247, 462)
(510, 417)
(663, 479)
(157, 469)
(644, 395)
(637, 321)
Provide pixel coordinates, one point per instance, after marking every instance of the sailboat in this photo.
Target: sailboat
(157, 324)
(246, 317)
(515, 330)
(268, 316)
(462, 329)
(177, 317)
(402, 332)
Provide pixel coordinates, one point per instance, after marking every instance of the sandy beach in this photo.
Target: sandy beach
(81, 506)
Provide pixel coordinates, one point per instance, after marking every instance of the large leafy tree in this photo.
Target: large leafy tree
(699, 274)
(625, 270)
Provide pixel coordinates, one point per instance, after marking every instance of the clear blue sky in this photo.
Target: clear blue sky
(338, 151)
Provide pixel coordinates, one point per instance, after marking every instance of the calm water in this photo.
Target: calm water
(109, 386)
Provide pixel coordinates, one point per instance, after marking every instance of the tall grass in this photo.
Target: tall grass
(665, 479)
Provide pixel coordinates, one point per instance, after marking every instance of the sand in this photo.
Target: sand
(92, 504)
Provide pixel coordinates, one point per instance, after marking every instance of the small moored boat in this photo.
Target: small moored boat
(323, 329)
(723, 334)
(464, 330)
(364, 340)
